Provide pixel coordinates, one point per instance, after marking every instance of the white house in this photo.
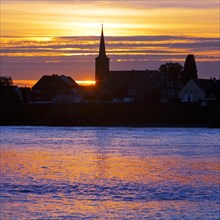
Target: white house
(197, 90)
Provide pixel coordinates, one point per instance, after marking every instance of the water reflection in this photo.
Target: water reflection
(92, 166)
(109, 173)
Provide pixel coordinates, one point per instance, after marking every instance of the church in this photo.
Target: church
(141, 85)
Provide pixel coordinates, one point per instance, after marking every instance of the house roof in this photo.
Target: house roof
(55, 82)
(211, 87)
(141, 74)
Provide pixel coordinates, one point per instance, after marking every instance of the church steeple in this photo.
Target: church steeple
(102, 44)
(101, 62)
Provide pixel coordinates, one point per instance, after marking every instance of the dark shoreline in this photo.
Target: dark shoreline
(112, 114)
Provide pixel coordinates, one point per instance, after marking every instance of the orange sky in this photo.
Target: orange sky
(32, 31)
(83, 18)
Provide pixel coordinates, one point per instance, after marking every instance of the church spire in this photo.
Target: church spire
(102, 44)
(101, 63)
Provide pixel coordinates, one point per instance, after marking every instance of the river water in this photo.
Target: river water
(109, 173)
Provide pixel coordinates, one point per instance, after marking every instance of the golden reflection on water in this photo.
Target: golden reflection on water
(92, 166)
(62, 170)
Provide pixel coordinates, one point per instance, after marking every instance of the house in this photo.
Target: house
(146, 85)
(10, 94)
(200, 90)
(55, 88)
(6, 81)
(26, 94)
(140, 85)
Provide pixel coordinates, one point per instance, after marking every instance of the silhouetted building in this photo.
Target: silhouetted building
(200, 90)
(26, 93)
(10, 94)
(5, 81)
(55, 89)
(101, 63)
(13, 94)
(137, 85)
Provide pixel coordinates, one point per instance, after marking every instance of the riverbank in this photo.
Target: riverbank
(112, 114)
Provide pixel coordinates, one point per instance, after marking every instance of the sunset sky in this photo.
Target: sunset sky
(62, 36)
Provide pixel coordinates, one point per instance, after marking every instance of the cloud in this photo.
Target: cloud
(62, 46)
(74, 56)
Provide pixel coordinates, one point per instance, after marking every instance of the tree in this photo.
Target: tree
(190, 69)
(174, 69)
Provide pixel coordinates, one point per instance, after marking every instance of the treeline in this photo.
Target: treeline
(183, 73)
